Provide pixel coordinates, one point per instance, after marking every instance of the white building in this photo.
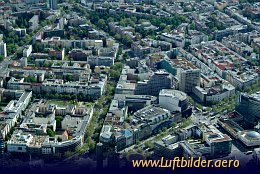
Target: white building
(249, 138)
(69, 121)
(173, 100)
(195, 37)
(58, 86)
(100, 61)
(177, 38)
(19, 142)
(27, 51)
(57, 41)
(214, 94)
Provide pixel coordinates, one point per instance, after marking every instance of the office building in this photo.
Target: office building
(99, 154)
(174, 101)
(158, 81)
(3, 51)
(248, 107)
(187, 74)
(2, 145)
(53, 4)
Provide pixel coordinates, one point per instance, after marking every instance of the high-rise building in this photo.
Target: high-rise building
(187, 74)
(99, 154)
(3, 51)
(2, 145)
(188, 79)
(53, 4)
(249, 107)
(113, 159)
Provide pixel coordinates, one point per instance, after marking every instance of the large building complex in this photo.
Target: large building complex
(226, 63)
(32, 137)
(128, 80)
(146, 83)
(208, 142)
(187, 74)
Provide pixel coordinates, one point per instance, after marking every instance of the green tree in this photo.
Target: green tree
(117, 37)
(68, 154)
(1, 58)
(162, 26)
(114, 74)
(127, 40)
(30, 79)
(192, 26)
(69, 78)
(50, 132)
(148, 144)
(59, 139)
(110, 19)
(139, 150)
(101, 23)
(58, 121)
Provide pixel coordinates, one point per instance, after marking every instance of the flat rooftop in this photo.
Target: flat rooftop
(183, 63)
(173, 93)
(149, 112)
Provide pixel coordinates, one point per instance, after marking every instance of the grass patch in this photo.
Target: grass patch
(88, 104)
(58, 102)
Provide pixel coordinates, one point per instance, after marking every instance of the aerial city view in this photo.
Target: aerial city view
(126, 84)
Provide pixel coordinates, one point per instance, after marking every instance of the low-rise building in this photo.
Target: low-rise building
(21, 32)
(79, 54)
(176, 38)
(95, 90)
(249, 138)
(57, 54)
(206, 142)
(32, 136)
(214, 94)
(100, 61)
(13, 110)
(19, 142)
